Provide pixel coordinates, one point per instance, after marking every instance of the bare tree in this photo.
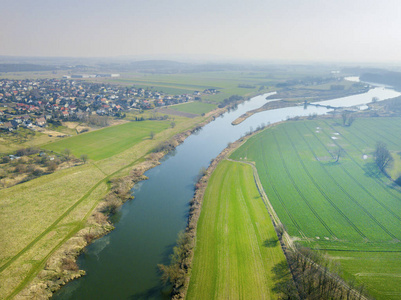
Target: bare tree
(337, 153)
(382, 156)
(344, 116)
(67, 153)
(84, 158)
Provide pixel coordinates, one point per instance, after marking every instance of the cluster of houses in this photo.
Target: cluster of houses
(31, 103)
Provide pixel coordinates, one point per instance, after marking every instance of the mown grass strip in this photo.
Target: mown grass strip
(237, 247)
(109, 141)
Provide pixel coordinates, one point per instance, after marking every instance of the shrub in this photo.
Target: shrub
(6, 159)
(69, 264)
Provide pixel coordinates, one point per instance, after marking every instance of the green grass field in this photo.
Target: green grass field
(345, 206)
(108, 141)
(194, 107)
(236, 245)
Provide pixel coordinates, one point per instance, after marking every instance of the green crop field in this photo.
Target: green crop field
(194, 107)
(347, 207)
(108, 141)
(237, 247)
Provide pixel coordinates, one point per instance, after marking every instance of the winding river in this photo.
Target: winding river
(123, 264)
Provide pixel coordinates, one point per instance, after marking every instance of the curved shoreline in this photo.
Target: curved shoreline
(180, 284)
(60, 266)
(268, 106)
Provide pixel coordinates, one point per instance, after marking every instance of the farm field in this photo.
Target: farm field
(194, 107)
(237, 247)
(108, 141)
(347, 208)
(226, 82)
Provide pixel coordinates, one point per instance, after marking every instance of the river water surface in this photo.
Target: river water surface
(123, 264)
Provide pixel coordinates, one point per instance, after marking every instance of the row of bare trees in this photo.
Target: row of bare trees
(315, 277)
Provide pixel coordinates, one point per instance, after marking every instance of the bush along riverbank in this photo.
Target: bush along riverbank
(314, 276)
(177, 273)
(61, 267)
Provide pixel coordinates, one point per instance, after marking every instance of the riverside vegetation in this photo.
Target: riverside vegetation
(58, 214)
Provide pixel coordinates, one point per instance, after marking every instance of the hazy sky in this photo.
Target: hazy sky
(335, 30)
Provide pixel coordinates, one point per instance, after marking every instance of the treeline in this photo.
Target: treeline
(153, 117)
(384, 77)
(304, 81)
(25, 68)
(246, 86)
(393, 105)
(95, 120)
(231, 100)
(316, 277)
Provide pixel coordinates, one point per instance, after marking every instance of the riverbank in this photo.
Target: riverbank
(178, 272)
(268, 106)
(61, 266)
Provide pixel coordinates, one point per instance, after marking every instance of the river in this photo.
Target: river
(123, 264)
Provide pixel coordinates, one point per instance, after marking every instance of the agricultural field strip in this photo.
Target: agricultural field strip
(325, 214)
(206, 80)
(356, 181)
(377, 177)
(276, 172)
(373, 132)
(278, 195)
(301, 194)
(362, 187)
(280, 179)
(388, 133)
(358, 149)
(241, 212)
(169, 84)
(389, 128)
(316, 184)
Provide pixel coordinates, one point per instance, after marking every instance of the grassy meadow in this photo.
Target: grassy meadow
(347, 207)
(237, 254)
(108, 141)
(197, 108)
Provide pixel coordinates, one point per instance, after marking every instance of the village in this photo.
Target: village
(32, 103)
